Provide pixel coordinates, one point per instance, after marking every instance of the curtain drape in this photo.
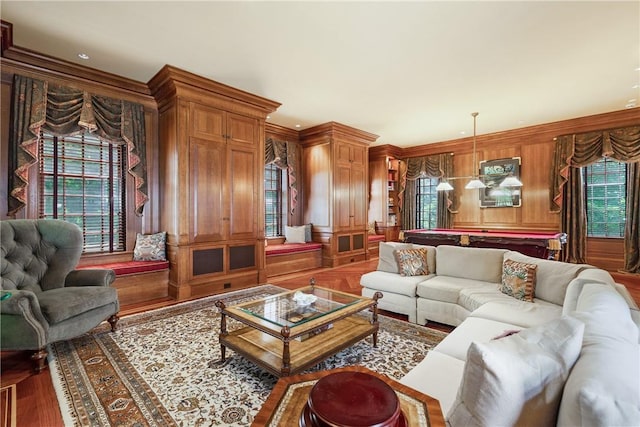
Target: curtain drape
(285, 155)
(60, 110)
(435, 166)
(573, 152)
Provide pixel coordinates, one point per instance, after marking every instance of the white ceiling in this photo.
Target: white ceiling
(411, 72)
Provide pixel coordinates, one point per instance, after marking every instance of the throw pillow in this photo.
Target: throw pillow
(412, 262)
(307, 233)
(518, 279)
(386, 258)
(372, 228)
(518, 380)
(294, 234)
(150, 247)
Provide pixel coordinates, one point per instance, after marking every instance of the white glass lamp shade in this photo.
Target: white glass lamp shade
(475, 184)
(444, 186)
(511, 181)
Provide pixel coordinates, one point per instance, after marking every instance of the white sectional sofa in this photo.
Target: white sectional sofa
(571, 357)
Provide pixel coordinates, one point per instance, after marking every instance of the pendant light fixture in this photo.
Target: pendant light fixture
(475, 182)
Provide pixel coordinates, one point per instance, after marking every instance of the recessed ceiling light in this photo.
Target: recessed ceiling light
(83, 56)
(630, 105)
(297, 126)
(463, 132)
(268, 117)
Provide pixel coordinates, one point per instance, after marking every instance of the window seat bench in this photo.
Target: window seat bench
(374, 244)
(138, 281)
(288, 258)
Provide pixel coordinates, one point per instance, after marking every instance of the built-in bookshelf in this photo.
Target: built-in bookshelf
(392, 191)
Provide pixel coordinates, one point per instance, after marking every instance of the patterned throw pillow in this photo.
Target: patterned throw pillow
(412, 262)
(150, 247)
(518, 280)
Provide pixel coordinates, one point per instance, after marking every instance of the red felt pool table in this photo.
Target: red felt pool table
(537, 244)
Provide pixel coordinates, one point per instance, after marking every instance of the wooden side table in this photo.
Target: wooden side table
(289, 397)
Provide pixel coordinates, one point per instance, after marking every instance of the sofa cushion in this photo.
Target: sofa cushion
(457, 343)
(61, 304)
(552, 277)
(518, 380)
(438, 376)
(386, 259)
(604, 386)
(391, 282)
(483, 264)
(474, 298)
(447, 289)
(518, 279)
(519, 313)
(412, 262)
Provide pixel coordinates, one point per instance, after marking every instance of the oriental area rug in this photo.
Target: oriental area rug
(162, 367)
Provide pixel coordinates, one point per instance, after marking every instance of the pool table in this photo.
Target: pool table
(537, 244)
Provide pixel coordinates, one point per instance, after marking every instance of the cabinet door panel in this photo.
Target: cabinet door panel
(342, 198)
(359, 155)
(206, 175)
(206, 122)
(359, 197)
(343, 153)
(242, 129)
(243, 197)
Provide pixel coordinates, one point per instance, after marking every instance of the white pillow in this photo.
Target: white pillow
(518, 379)
(294, 234)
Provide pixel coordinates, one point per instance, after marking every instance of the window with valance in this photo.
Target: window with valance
(435, 166)
(40, 106)
(286, 156)
(571, 154)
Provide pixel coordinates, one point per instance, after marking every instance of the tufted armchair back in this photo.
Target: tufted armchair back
(38, 254)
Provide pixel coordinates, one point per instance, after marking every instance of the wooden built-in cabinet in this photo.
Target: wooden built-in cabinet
(211, 175)
(335, 159)
(384, 186)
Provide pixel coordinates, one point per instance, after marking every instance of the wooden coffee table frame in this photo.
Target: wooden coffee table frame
(276, 349)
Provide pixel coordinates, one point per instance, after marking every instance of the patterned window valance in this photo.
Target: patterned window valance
(285, 155)
(573, 152)
(578, 150)
(61, 111)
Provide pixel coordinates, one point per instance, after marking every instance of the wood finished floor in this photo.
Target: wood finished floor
(37, 404)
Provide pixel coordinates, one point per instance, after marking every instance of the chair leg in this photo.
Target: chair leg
(39, 357)
(113, 321)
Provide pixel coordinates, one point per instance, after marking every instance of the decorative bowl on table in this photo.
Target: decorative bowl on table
(304, 300)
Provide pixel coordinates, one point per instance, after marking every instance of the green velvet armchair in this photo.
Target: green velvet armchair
(44, 299)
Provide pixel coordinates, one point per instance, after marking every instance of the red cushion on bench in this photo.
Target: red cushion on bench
(376, 237)
(130, 267)
(289, 248)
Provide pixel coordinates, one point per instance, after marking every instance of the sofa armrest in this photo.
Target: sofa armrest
(90, 277)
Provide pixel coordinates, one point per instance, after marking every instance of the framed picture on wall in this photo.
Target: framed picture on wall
(493, 172)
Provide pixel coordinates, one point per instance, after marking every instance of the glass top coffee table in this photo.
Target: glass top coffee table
(292, 331)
